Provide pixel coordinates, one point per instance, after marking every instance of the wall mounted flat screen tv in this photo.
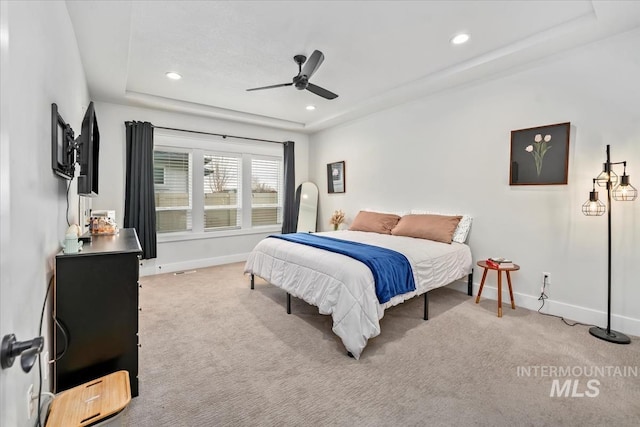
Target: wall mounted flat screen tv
(88, 146)
(62, 146)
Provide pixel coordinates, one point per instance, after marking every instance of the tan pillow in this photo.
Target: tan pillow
(438, 228)
(374, 222)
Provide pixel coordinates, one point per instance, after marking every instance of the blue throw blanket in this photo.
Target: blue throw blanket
(391, 270)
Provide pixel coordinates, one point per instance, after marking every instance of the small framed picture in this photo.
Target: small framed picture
(335, 177)
(540, 155)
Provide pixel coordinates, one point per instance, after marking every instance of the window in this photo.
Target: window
(266, 191)
(173, 191)
(222, 191)
(204, 185)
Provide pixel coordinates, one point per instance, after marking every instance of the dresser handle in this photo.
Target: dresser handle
(139, 308)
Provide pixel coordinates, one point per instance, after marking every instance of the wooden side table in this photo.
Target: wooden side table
(507, 270)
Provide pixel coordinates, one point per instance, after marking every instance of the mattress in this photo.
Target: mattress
(344, 288)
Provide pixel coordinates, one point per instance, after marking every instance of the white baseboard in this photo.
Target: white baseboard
(151, 267)
(570, 312)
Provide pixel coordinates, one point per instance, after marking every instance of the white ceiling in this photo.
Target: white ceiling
(377, 53)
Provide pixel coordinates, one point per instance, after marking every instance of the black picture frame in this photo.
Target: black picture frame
(336, 177)
(540, 155)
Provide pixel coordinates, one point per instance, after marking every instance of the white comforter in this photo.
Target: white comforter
(344, 287)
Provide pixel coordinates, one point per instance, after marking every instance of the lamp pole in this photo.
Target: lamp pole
(609, 243)
(608, 334)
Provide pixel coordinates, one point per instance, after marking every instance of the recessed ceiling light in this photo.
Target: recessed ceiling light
(460, 38)
(310, 107)
(173, 76)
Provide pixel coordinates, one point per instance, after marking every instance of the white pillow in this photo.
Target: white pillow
(462, 230)
(399, 213)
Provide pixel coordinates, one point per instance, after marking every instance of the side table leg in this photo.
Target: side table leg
(484, 276)
(499, 293)
(513, 304)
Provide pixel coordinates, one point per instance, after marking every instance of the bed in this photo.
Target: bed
(344, 287)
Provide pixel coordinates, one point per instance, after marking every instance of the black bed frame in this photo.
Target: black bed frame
(426, 297)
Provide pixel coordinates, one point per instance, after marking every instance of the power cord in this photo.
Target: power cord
(51, 397)
(67, 212)
(543, 297)
(66, 340)
(44, 305)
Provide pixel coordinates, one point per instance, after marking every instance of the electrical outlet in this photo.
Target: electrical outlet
(30, 405)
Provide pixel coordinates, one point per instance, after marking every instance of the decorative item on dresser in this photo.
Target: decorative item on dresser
(95, 309)
(626, 192)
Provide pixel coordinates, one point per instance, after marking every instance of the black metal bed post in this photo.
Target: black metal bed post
(252, 280)
(426, 306)
(470, 284)
(288, 303)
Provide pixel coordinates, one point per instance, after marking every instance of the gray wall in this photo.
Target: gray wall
(450, 152)
(40, 65)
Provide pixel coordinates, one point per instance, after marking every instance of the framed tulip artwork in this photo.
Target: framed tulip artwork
(540, 155)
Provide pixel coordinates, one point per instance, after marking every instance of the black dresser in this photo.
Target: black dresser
(96, 310)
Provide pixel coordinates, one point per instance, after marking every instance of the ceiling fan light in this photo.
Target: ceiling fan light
(173, 75)
(460, 38)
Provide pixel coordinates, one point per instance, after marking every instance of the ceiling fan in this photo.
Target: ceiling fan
(301, 81)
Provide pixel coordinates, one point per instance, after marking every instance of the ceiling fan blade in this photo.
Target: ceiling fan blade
(321, 91)
(312, 64)
(270, 87)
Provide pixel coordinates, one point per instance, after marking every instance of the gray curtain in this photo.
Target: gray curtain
(290, 214)
(139, 202)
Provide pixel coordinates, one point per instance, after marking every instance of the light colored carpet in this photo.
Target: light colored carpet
(215, 353)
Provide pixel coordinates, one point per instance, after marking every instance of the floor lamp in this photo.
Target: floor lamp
(624, 191)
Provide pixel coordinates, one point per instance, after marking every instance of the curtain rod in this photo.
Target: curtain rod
(216, 134)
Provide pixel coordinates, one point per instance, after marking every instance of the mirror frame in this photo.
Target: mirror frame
(307, 207)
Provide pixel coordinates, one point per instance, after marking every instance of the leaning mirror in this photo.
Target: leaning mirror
(307, 197)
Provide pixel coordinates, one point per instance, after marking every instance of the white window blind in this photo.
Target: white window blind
(158, 174)
(222, 191)
(172, 182)
(266, 191)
